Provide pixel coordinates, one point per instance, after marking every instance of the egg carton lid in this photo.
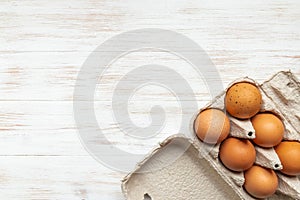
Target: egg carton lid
(178, 169)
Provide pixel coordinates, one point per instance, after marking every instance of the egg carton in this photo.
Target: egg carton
(196, 172)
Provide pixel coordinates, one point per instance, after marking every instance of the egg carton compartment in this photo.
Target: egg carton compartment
(239, 128)
(242, 128)
(199, 174)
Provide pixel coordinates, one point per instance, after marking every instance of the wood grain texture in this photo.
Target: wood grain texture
(44, 44)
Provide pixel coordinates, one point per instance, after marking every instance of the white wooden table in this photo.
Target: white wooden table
(44, 43)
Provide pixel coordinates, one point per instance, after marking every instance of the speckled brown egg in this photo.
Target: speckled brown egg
(237, 154)
(243, 100)
(289, 155)
(212, 126)
(260, 182)
(269, 129)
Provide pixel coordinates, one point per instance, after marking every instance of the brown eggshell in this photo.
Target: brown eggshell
(289, 155)
(269, 129)
(243, 100)
(212, 126)
(260, 182)
(237, 154)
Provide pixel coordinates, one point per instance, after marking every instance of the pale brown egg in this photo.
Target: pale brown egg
(237, 154)
(260, 182)
(212, 126)
(269, 129)
(289, 155)
(243, 100)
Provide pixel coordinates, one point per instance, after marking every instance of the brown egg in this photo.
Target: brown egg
(260, 182)
(243, 100)
(289, 155)
(269, 129)
(237, 154)
(212, 126)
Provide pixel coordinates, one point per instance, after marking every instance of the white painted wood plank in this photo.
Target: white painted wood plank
(57, 177)
(44, 45)
(52, 76)
(48, 128)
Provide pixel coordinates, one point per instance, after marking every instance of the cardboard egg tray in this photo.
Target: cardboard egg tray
(196, 172)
